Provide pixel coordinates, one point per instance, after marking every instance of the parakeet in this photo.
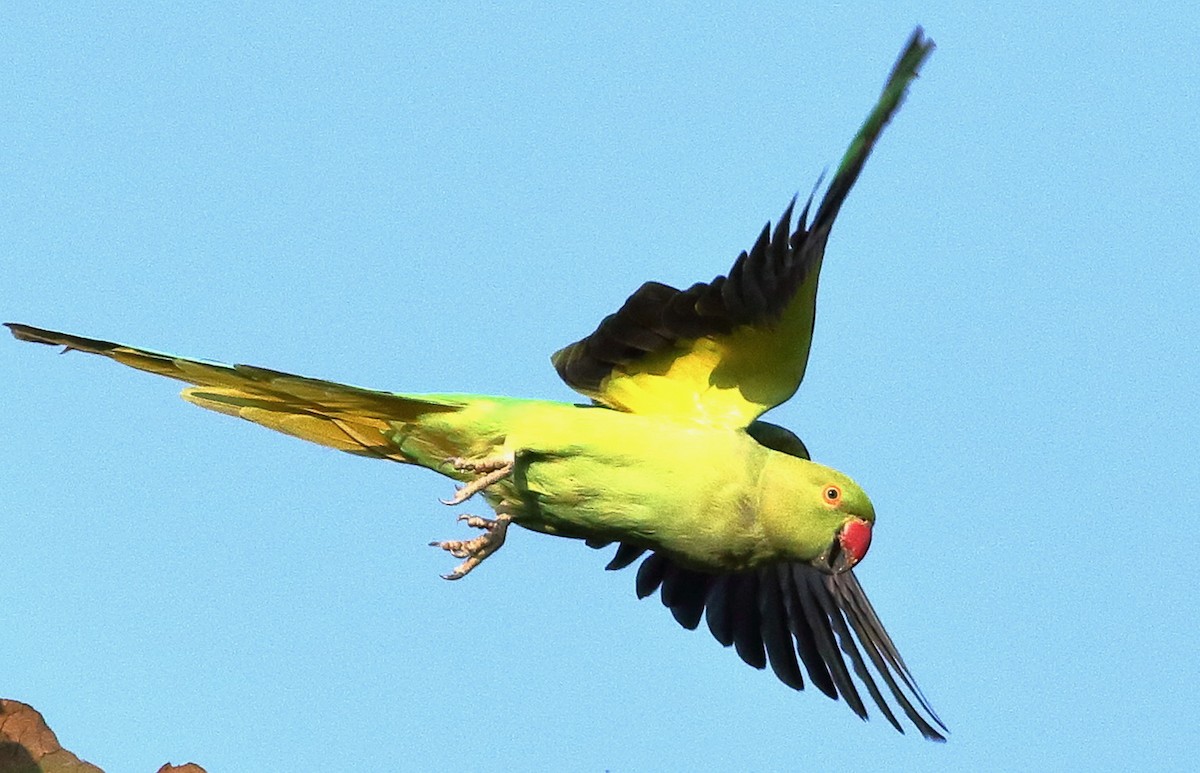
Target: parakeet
(669, 461)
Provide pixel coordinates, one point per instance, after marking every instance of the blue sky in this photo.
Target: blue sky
(435, 200)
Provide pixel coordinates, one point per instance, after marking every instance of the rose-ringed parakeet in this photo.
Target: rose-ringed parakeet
(670, 461)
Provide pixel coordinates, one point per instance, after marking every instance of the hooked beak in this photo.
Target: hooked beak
(847, 548)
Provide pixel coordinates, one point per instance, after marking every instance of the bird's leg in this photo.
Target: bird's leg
(493, 470)
(479, 548)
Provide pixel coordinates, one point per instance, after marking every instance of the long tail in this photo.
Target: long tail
(359, 421)
(903, 73)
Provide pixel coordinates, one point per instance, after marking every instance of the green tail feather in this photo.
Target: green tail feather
(348, 418)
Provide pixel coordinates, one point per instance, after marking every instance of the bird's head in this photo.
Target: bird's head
(820, 516)
(850, 512)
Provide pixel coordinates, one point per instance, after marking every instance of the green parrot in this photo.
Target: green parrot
(670, 459)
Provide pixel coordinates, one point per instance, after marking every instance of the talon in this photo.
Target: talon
(462, 570)
(478, 548)
(454, 499)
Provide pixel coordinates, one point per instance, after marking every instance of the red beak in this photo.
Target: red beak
(855, 540)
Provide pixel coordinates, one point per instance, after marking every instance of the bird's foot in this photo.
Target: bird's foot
(492, 470)
(476, 549)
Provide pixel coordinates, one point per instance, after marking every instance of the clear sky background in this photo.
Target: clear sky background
(435, 200)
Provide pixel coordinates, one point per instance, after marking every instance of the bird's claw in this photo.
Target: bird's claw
(478, 548)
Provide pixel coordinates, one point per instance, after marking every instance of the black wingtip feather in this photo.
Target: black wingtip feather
(876, 642)
(833, 614)
(818, 671)
(776, 636)
(902, 74)
(719, 610)
(747, 630)
(790, 615)
(625, 555)
(818, 623)
(650, 574)
(684, 591)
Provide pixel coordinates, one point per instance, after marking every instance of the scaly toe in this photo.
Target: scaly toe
(477, 522)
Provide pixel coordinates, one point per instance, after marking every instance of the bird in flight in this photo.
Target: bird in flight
(670, 462)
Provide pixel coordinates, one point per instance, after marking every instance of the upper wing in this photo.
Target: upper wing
(726, 351)
(792, 614)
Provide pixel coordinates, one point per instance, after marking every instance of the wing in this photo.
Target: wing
(790, 615)
(359, 421)
(725, 351)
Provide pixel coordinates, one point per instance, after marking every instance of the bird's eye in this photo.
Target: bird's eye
(833, 495)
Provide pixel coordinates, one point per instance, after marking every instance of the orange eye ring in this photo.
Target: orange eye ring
(832, 495)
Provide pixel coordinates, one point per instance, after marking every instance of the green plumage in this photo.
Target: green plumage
(740, 526)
